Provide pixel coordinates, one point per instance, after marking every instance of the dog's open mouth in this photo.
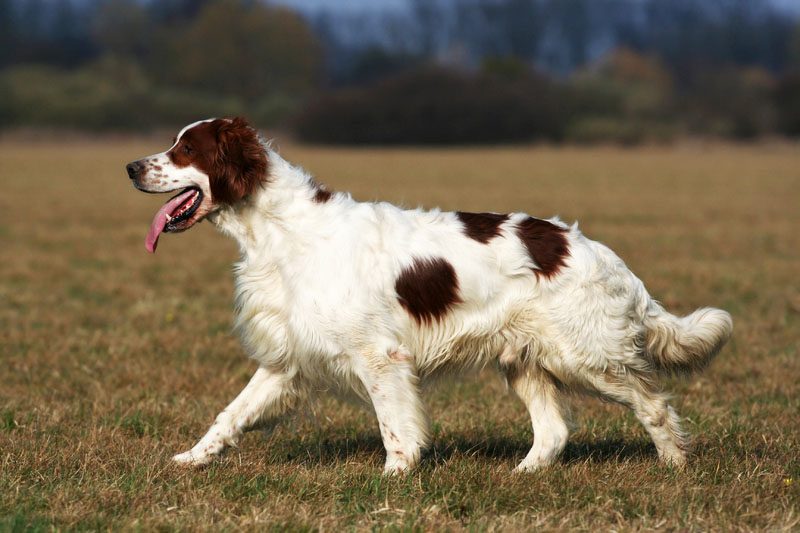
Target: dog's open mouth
(174, 215)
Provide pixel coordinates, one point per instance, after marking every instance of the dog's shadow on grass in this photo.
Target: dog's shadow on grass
(452, 447)
(514, 450)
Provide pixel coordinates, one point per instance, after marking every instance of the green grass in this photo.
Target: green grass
(114, 360)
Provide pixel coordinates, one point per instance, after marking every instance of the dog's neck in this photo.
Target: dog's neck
(275, 218)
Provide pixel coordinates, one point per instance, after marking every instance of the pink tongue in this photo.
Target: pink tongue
(160, 220)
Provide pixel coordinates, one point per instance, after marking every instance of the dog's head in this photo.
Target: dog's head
(214, 163)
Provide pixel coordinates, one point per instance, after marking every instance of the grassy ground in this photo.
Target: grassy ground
(113, 360)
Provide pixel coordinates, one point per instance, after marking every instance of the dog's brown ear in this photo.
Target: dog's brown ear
(240, 164)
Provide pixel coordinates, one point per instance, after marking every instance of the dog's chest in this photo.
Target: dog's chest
(260, 318)
(275, 325)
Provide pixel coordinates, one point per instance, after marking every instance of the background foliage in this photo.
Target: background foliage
(442, 71)
(121, 64)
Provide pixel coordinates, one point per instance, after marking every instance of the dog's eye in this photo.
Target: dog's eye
(187, 149)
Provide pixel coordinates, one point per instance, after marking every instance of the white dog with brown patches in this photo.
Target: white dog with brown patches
(367, 298)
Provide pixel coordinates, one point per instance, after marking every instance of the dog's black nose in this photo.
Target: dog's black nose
(134, 169)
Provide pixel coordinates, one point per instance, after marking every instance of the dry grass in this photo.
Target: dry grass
(114, 359)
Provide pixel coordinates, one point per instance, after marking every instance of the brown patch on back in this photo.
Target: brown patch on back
(321, 194)
(546, 244)
(481, 227)
(427, 289)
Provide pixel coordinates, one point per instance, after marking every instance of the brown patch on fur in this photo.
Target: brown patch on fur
(322, 196)
(427, 289)
(240, 164)
(197, 147)
(321, 193)
(481, 227)
(546, 244)
(229, 152)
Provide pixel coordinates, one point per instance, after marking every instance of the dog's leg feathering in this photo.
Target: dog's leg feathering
(643, 395)
(267, 396)
(392, 384)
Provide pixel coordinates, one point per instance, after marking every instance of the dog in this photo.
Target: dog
(371, 300)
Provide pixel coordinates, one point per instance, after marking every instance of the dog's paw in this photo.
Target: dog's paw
(529, 465)
(395, 470)
(398, 463)
(191, 458)
(527, 468)
(675, 460)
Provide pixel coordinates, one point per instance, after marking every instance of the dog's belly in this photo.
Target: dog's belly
(295, 345)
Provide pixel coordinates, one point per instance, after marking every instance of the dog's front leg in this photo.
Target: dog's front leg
(392, 384)
(268, 395)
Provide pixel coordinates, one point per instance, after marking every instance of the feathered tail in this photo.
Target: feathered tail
(686, 345)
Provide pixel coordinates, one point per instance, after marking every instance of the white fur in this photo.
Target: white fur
(316, 307)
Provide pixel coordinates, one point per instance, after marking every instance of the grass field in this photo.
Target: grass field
(113, 359)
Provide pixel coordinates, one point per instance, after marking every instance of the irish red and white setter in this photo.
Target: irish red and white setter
(372, 300)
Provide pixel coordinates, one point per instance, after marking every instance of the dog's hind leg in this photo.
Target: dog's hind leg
(642, 393)
(537, 389)
(392, 384)
(268, 395)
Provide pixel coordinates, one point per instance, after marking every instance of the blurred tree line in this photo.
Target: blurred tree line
(578, 70)
(127, 64)
(442, 71)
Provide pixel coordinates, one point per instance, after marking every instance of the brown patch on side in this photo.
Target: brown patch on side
(427, 289)
(481, 227)
(546, 244)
